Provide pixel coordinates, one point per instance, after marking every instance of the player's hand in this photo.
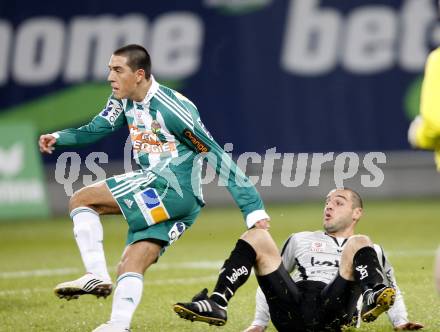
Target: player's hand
(46, 143)
(255, 328)
(410, 326)
(263, 224)
(413, 129)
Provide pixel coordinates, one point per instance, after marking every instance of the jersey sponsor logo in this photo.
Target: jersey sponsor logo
(147, 147)
(148, 141)
(318, 246)
(236, 273)
(197, 142)
(176, 231)
(111, 112)
(315, 262)
(151, 206)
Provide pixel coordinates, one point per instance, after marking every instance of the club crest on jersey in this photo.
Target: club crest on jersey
(318, 246)
(155, 127)
(111, 112)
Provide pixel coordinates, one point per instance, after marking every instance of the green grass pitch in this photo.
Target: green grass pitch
(35, 256)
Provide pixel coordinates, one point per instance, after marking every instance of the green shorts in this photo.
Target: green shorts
(152, 208)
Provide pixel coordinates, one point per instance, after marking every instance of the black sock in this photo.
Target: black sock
(234, 273)
(366, 268)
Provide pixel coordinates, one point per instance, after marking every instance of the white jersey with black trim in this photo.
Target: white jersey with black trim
(315, 256)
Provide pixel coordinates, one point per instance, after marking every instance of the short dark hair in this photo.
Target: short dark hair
(137, 58)
(355, 197)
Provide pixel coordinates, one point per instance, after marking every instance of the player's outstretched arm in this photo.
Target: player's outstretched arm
(103, 124)
(255, 328)
(410, 326)
(240, 187)
(46, 143)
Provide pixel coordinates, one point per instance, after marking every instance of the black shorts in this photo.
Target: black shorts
(310, 306)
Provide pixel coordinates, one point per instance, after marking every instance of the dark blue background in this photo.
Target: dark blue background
(243, 94)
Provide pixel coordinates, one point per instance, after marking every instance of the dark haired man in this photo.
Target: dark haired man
(159, 201)
(332, 270)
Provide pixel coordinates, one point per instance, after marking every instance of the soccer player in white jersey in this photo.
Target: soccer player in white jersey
(159, 201)
(332, 270)
(316, 256)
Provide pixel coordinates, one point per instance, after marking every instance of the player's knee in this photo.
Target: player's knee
(359, 241)
(138, 257)
(261, 241)
(120, 268)
(79, 198)
(256, 237)
(268, 258)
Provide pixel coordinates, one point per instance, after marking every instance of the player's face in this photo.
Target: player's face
(339, 213)
(121, 77)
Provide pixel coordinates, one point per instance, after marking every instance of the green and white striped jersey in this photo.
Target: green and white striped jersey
(169, 139)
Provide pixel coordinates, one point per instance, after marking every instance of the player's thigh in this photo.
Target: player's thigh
(96, 196)
(338, 301)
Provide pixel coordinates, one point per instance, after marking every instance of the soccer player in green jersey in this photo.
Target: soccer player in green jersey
(160, 200)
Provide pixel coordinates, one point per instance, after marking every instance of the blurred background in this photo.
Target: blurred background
(306, 95)
(275, 77)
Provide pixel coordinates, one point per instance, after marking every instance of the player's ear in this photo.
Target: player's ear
(140, 75)
(357, 213)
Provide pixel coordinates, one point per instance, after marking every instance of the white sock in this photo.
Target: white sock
(126, 298)
(89, 236)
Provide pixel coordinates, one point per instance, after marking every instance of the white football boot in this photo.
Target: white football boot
(110, 327)
(88, 284)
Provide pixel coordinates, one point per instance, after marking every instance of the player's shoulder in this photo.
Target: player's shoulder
(175, 98)
(434, 57)
(435, 53)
